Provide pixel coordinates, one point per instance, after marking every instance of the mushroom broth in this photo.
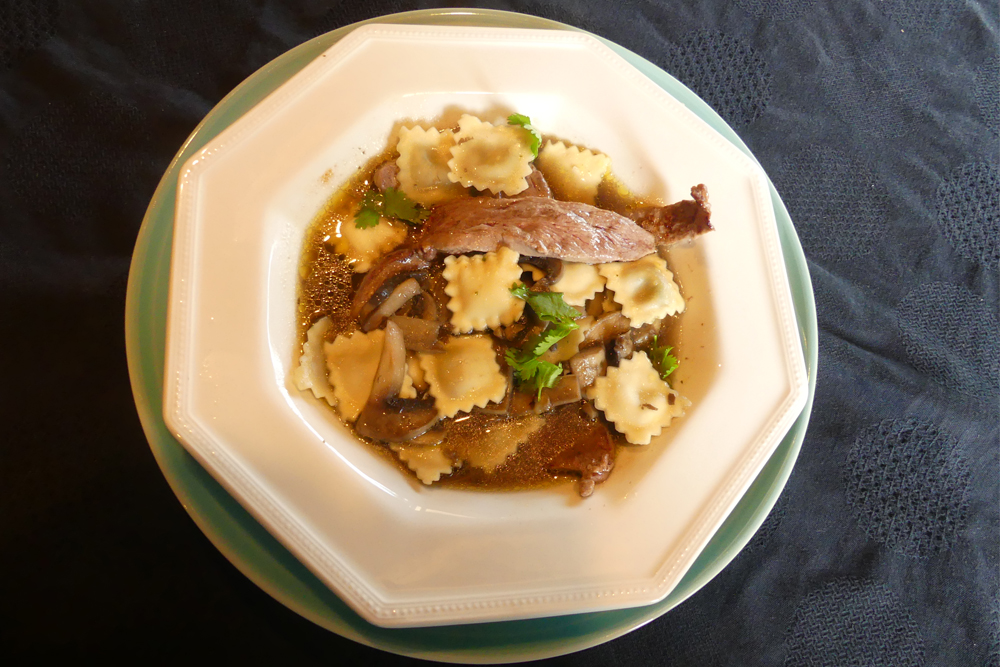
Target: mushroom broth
(518, 431)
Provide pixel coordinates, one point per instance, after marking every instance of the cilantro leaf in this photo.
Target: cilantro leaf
(370, 211)
(540, 343)
(398, 205)
(536, 139)
(549, 306)
(546, 376)
(392, 203)
(532, 371)
(664, 362)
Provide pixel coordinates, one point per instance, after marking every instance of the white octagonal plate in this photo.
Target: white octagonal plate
(406, 555)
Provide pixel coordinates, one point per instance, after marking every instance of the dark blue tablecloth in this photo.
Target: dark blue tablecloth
(877, 121)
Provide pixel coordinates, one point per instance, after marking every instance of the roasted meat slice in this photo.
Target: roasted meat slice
(592, 457)
(536, 227)
(677, 222)
(386, 176)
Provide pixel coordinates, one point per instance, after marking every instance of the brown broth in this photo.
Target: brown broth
(326, 288)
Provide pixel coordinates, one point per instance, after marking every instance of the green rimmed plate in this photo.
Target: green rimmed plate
(260, 556)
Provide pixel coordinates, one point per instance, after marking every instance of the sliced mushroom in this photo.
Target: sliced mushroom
(606, 329)
(643, 336)
(405, 291)
(389, 267)
(428, 306)
(521, 403)
(386, 416)
(589, 364)
(537, 186)
(419, 335)
(552, 267)
(592, 458)
(623, 348)
(433, 437)
(566, 390)
(503, 407)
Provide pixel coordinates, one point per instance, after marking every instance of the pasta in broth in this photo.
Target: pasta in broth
(490, 312)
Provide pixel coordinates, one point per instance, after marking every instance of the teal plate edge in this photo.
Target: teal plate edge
(262, 558)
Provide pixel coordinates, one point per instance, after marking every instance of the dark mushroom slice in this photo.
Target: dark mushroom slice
(435, 436)
(537, 187)
(643, 336)
(386, 416)
(534, 327)
(607, 327)
(552, 267)
(589, 364)
(419, 335)
(592, 457)
(428, 306)
(403, 293)
(391, 266)
(566, 390)
(521, 403)
(622, 348)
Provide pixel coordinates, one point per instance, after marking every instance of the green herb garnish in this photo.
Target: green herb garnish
(523, 121)
(549, 306)
(532, 371)
(392, 203)
(664, 362)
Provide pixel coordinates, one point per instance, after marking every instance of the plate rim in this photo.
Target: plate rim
(302, 604)
(205, 432)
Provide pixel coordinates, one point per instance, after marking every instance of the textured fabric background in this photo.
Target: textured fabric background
(877, 120)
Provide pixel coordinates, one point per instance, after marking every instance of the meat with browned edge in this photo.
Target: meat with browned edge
(677, 222)
(592, 457)
(537, 227)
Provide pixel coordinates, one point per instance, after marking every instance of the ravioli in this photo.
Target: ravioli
(479, 287)
(645, 289)
(464, 376)
(636, 400)
(500, 441)
(352, 360)
(575, 174)
(311, 371)
(428, 462)
(361, 247)
(490, 157)
(423, 165)
(578, 283)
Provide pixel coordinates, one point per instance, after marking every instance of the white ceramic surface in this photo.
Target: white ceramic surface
(405, 555)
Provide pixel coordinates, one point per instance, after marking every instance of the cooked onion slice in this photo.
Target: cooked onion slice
(419, 335)
(405, 291)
